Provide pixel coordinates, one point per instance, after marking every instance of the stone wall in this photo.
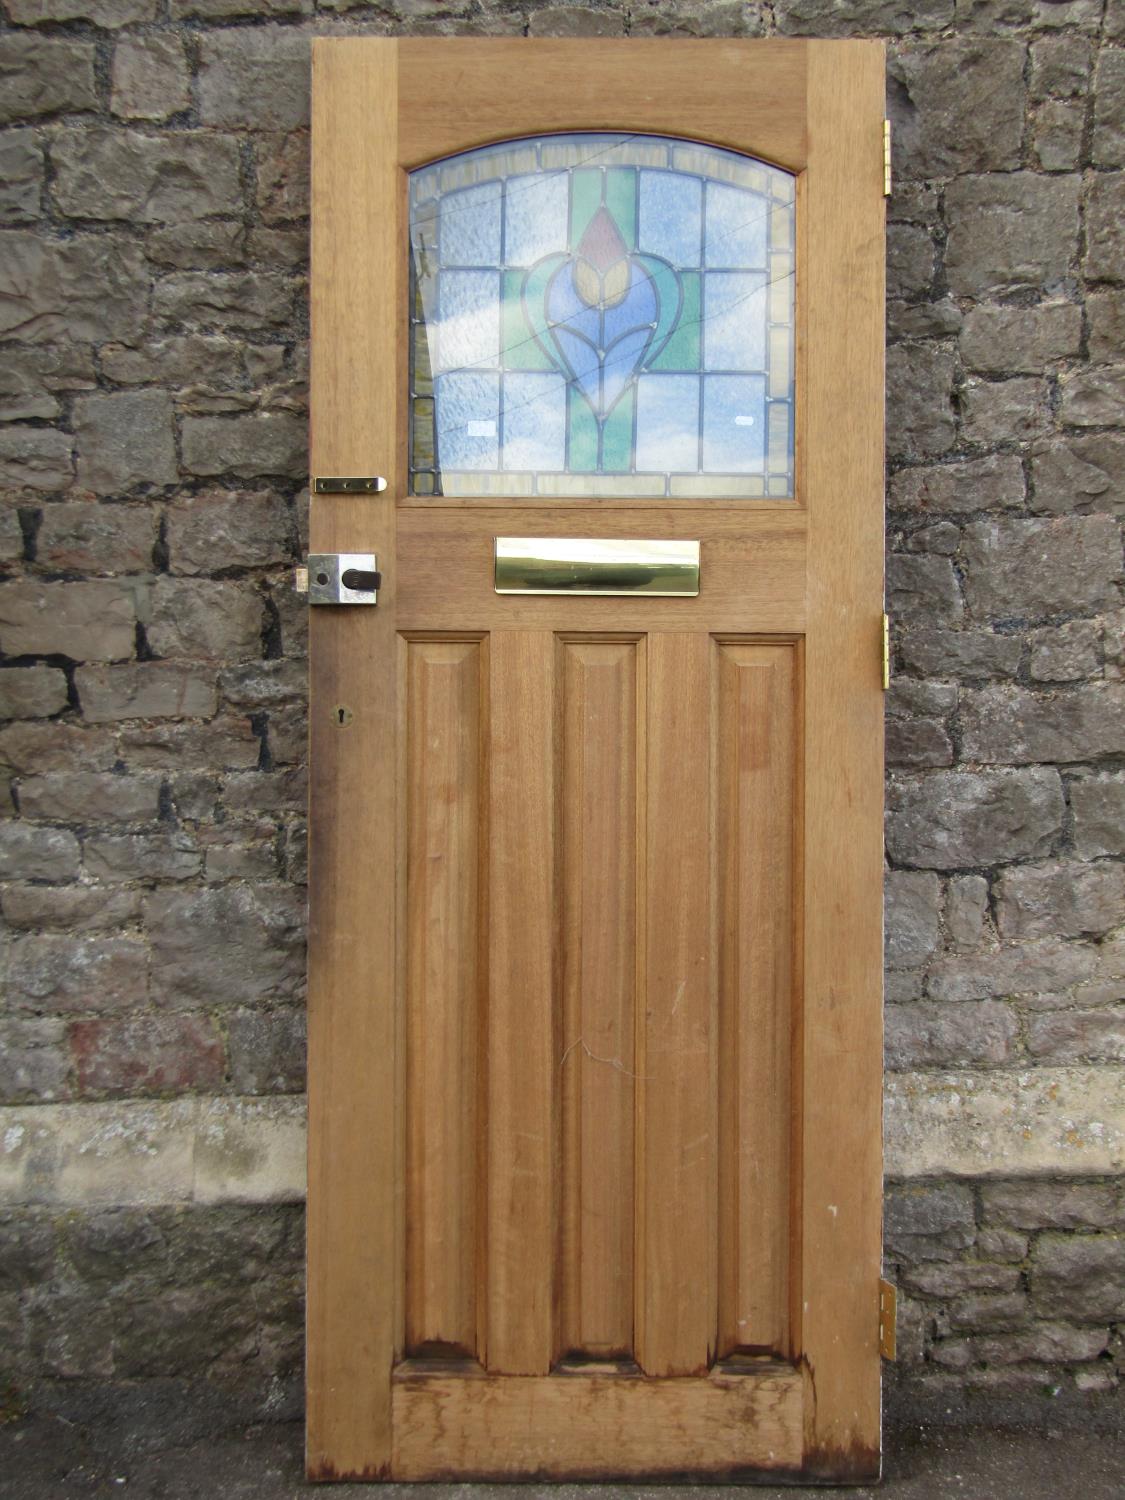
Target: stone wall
(153, 201)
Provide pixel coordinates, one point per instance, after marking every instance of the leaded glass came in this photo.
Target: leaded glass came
(602, 315)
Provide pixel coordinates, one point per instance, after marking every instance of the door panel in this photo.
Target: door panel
(595, 955)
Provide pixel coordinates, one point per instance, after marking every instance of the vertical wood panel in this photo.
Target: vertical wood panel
(599, 828)
(443, 796)
(677, 1161)
(756, 774)
(354, 1283)
(842, 1024)
(522, 1047)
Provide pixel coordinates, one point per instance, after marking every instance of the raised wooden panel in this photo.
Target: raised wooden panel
(598, 800)
(755, 836)
(444, 810)
(522, 1066)
(676, 1117)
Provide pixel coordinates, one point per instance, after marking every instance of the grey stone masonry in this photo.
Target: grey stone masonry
(154, 202)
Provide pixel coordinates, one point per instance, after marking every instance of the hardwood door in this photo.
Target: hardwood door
(595, 972)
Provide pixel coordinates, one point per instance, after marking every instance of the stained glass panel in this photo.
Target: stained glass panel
(602, 314)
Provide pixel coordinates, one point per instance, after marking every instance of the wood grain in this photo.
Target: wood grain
(600, 683)
(443, 990)
(597, 1426)
(842, 1030)
(676, 1113)
(757, 773)
(522, 1022)
(354, 1280)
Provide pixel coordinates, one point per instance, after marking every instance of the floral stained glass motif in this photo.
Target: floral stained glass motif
(602, 315)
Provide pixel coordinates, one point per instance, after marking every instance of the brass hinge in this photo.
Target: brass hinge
(888, 1309)
(362, 484)
(886, 676)
(886, 158)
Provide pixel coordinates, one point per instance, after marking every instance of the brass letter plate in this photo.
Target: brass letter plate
(595, 565)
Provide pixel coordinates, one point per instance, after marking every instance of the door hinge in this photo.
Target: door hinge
(888, 1316)
(339, 578)
(886, 158)
(368, 484)
(886, 647)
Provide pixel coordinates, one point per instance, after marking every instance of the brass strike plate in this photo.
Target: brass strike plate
(888, 1319)
(371, 484)
(886, 652)
(887, 184)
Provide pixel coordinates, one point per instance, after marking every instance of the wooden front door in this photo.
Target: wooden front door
(595, 974)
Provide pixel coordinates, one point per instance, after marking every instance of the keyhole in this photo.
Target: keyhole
(344, 716)
(322, 578)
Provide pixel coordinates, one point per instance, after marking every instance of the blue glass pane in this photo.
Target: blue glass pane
(469, 227)
(468, 421)
(602, 314)
(734, 423)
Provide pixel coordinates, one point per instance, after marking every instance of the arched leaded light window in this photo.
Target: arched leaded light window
(602, 315)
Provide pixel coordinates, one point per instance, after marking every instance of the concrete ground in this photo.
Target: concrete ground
(49, 1458)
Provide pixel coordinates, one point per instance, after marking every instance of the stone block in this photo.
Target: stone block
(254, 78)
(1007, 725)
(88, 288)
(132, 1153)
(267, 1050)
(1079, 1276)
(919, 400)
(1060, 898)
(85, 621)
(150, 78)
(259, 444)
(1002, 1245)
(142, 856)
(226, 743)
(913, 743)
(1052, 1205)
(265, 684)
(125, 439)
(1020, 340)
(922, 320)
(32, 376)
(31, 748)
(1098, 806)
(1010, 231)
(201, 618)
(966, 911)
(1065, 653)
(108, 14)
(932, 1212)
(922, 590)
(36, 458)
(1079, 1035)
(1082, 474)
(695, 18)
(74, 908)
(34, 1064)
(85, 538)
(226, 945)
(1057, 129)
(1093, 398)
(90, 797)
(957, 106)
(282, 191)
(177, 360)
(250, 1151)
(1108, 143)
(1016, 568)
(146, 690)
(950, 820)
(910, 261)
(106, 173)
(224, 300)
(245, 529)
(243, 858)
(1105, 228)
(1105, 316)
(31, 692)
(1060, 66)
(989, 1311)
(42, 75)
(21, 176)
(998, 411)
(60, 974)
(929, 1035)
(1031, 967)
(140, 1055)
(966, 654)
(912, 908)
(1045, 1343)
(210, 245)
(574, 20)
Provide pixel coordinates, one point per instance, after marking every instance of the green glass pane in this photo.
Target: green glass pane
(582, 455)
(585, 200)
(617, 435)
(681, 352)
(621, 200)
(521, 349)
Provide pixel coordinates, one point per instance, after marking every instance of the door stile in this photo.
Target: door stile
(842, 1033)
(354, 1208)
